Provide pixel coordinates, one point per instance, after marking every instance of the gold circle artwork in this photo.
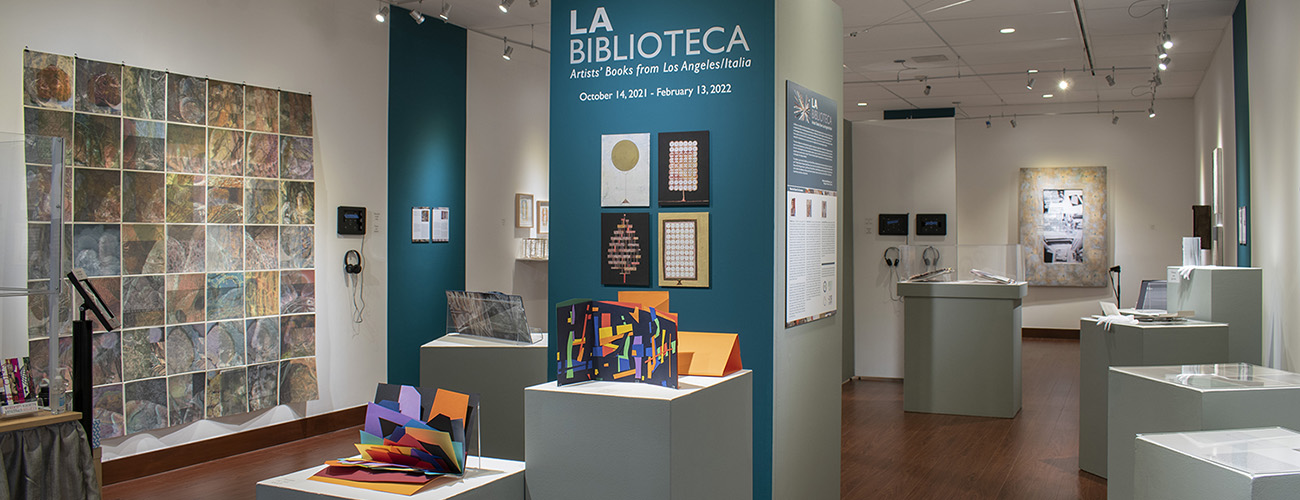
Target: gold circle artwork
(625, 155)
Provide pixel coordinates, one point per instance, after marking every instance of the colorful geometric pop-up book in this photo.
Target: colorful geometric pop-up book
(616, 341)
(411, 435)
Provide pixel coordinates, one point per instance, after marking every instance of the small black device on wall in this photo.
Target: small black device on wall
(931, 224)
(893, 224)
(352, 220)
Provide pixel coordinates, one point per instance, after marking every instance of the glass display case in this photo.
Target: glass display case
(1221, 376)
(967, 262)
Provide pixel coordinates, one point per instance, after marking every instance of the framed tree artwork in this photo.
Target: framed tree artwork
(624, 252)
(523, 210)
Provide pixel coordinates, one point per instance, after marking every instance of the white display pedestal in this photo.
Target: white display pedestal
(498, 371)
(1241, 464)
(632, 441)
(496, 479)
(1147, 399)
(961, 348)
(1231, 295)
(1133, 345)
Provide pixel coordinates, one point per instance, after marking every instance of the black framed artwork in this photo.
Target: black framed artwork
(684, 169)
(625, 249)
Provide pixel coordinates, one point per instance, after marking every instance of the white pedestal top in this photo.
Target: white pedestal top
(687, 384)
(491, 470)
(459, 340)
(1216, 377)
(963, 289)
(1253, 452)
(1191, 323)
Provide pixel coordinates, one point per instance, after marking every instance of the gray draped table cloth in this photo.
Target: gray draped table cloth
(47, 462)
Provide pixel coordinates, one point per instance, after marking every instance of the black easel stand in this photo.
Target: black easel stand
(81, 372)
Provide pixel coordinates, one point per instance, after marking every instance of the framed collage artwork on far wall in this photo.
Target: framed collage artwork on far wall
(523, 210)
(543, 217)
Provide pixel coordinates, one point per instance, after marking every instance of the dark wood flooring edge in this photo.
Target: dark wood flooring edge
(1050, 333)
(176, 457)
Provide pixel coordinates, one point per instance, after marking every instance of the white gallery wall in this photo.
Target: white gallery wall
(330, 48)
(1214, 108)
(900, 166)
(1274, 160)
(507, 147)
(1151, 178)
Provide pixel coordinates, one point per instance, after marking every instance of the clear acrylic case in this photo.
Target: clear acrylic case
(998, 260)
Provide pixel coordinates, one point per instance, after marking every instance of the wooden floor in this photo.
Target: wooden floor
(886, 453)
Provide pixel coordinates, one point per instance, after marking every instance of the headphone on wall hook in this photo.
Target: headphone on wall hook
(352, 262)
(925, 256)
(897, 256)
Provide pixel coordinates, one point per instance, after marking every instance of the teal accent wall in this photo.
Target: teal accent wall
(1241, 105)
(426, 167)
(742, 217)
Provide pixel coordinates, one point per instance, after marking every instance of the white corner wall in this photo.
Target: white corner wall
(806, 368)
(1214, 107)
(1274, 156)
(330, 48)
(1151, 176)
(507, 149)
(900, 166)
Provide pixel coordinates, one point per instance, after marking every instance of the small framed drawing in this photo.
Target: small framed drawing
(523, 210)
(543, 217)
(684, 249)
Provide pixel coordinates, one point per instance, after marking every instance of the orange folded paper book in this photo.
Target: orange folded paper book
(708, 354)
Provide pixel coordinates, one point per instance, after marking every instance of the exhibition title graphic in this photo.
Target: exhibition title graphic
(597, 42)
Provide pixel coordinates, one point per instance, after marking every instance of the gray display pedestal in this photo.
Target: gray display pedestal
(632, 441)
(1147, 399)
(961, 348)
(1133, 345)
(1241, 464)
(498, 371)
(496, 479)
(1231, 295)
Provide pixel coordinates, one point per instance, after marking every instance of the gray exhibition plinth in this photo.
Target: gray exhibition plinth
(1146, 399)
(498, 370)
(493, 479)
(631, 441)
(1143, 344)
(1238, 464)
(961, 348)
(1231, 295)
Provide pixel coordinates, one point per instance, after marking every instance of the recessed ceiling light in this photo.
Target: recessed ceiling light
(862, 104)
(1048, 96)
(1006, 31)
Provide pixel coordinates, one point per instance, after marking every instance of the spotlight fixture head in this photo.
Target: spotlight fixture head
(988, 123)
(1164, 65)
(1110, 80)
(509, 50)
(1114, 120)
(1151, 112)
(505, 5)
(532, 3)
(417, 16)
(927, 90)
(1166, 41)
(382, 15)
(1013, 122)
(1063, 84)
(1157, 80)
(1030, 84)
(446, 11)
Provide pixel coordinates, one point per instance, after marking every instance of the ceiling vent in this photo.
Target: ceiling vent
(930, 59)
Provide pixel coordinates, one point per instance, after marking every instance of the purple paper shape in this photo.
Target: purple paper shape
(409, 400)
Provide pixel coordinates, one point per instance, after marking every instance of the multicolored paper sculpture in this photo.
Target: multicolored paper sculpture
(616, 341)
(415, 430)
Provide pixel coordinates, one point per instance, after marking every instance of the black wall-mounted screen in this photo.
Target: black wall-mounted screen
(893, 224)
(932, 224)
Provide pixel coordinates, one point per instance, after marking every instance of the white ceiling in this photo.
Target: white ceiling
(984, 70)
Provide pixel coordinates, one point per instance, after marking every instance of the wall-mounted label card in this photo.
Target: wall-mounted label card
(441, 224)
(421, 228)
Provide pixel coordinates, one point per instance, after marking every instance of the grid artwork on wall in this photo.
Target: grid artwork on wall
(190, 204)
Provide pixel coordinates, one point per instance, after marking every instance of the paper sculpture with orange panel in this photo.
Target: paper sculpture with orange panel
(658, 299)
(416, 431)
(616, 341)
(708, 354)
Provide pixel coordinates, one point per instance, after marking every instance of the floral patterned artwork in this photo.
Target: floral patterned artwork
(47, 80)
(296, 158)
(225, 200)
(144, 354)
(225, 296)
(186, 99)
(225, 152)
(99, 87)
(225, 104)
(263, 155)
(261, 109)
(297, 292)
(298, 202)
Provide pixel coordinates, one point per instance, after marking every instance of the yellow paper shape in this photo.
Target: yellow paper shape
(658, 299)
(708, 354)
(407, 489)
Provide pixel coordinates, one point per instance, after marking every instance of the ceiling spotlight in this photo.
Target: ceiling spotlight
(988, 123)
(1110, 79)
(1164, 65)
(1013, 121)
(1007, 31)
(509, 50)
(446, 11)
(927, 87)
(1030, 84)
(382, 15)
(505, 5)
(1033, 71)
(1048, 96)
(532, 3)
(1063, 84)
(1157, 80)
(417, 16)
(1151, 112)
(1114, 120)
(1166, 41)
